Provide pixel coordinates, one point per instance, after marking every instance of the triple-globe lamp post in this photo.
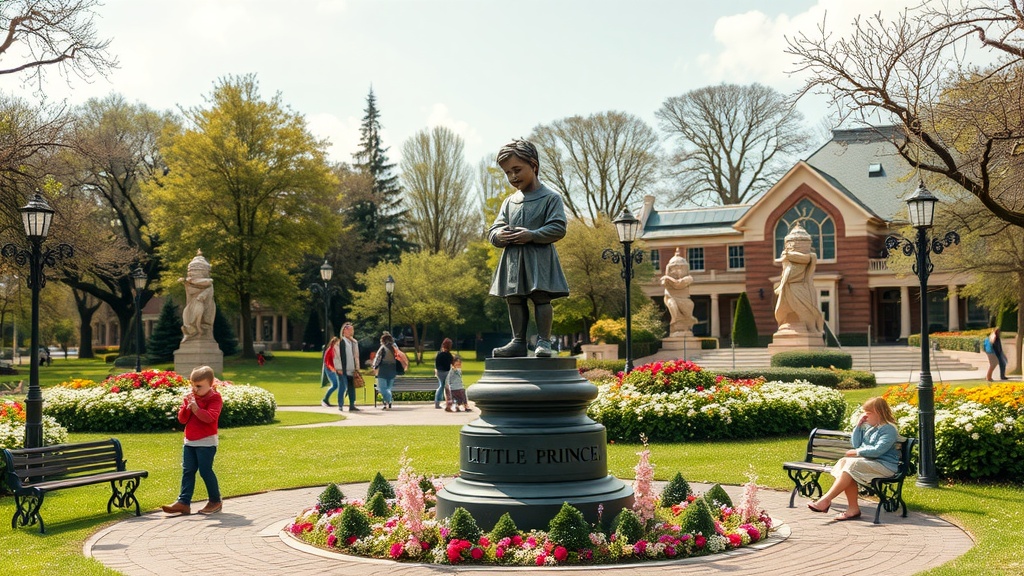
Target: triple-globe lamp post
(627, 227)
(921, 205)
(389, 289)
(139, 279)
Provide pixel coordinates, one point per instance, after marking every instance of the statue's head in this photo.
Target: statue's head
(798, 239)
(677, 266)
(199, 266)
(522, 149)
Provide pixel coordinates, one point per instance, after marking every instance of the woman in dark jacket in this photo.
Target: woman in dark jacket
(442, 365)
(384, 368)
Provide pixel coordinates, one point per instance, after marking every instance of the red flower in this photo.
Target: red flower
(700, 541)
(454, 553)
(484, 541)
(351, 540)
(540, 559)
(396, 550)
(561, 553)
(114, 389)
(734, 539)
(476, 552)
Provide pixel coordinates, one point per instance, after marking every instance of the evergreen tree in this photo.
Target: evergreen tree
(224, 334)
(166, 336)
(380, 219)
(744, 328)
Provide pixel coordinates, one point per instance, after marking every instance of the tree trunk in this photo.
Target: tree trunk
(85, 313)
(1017, 362)
(245, 311)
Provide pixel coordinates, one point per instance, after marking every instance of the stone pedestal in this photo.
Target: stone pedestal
(785, 340)
(532, 448)
(193, 353)
(685, 344)
(600, 351)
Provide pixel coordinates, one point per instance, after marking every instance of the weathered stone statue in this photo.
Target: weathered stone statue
(527, 226)
(797, 307)
(677, 282)
(200, 309)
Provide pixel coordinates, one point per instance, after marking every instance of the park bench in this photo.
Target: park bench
(825, 447)
(408, 384)
(11, 387)
(33, 472)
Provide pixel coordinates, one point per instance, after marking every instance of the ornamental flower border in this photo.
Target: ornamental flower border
(148, 401)
(12, 428)
(410, 531)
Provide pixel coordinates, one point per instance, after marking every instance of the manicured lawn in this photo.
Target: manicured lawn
(261, 458)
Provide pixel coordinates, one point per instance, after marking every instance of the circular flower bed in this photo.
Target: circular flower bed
(148, 401)
(398, 523)
(12, 428)
(979, 432)
(677, 400)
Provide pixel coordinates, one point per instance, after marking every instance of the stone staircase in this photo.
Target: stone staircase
(874, 359)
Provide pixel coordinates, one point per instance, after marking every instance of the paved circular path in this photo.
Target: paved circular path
(246, 538)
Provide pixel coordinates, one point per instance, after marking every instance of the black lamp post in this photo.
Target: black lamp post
(626, 226)
(921, 205)
(36, 217)
(326, 273)
(139, 279)
(389, 288)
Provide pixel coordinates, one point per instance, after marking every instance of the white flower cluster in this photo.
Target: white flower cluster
(12, 435)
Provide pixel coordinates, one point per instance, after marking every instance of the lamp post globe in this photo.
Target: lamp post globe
(626, 227)
(139, 279)
(326, 273)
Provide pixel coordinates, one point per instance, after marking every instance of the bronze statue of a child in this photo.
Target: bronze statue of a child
(529, 223)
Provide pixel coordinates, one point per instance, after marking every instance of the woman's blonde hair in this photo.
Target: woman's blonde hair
(879, 406)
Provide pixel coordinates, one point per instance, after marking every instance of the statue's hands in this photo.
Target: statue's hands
(518, 235)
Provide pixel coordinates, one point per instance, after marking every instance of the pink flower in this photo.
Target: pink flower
(332, 540)
(561, 553)
(396, 550)
(540, 559)
(517, 540)
(531, 542)
(484, 541)
(640, 546)
(700, 541)
(476, 552)
(499, 552)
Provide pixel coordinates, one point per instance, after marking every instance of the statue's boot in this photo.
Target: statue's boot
(519, 317)
(545, 316)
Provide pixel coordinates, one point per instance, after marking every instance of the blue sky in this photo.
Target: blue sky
(489, 70)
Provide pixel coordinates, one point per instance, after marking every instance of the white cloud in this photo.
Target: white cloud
(342, 132)
(439, 115)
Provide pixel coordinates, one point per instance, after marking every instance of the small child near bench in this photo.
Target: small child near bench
(456, 391)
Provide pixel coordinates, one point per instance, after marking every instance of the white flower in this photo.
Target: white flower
(975, 436)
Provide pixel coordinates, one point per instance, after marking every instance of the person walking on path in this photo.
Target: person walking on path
(332, 364)
(199, 412)
(349, 355)
(385, 368)
(442, 365)
(456, 390)
(994, 349)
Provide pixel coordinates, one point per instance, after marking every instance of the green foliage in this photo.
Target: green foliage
(717, 497)
(569, 528)
(354, 522)
(331, 498)
(380, 485)
(647, 325)
(462, 526)
(669, 376)
(812, 359)
(377, 506)
(744, 327)
(426, 485)
(608, 331)
(966, 341)
(1007, 320)
(697, 518)
(676, 491)
(504, 528)
(613, 366)
(627, 526)
(166, 336)
(127, 361)
(224, 334)
(817, 376)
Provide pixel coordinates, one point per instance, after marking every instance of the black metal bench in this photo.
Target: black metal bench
(825, 447)
(32, 472)
(408, 384)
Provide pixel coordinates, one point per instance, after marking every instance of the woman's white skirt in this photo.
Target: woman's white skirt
(862, 470)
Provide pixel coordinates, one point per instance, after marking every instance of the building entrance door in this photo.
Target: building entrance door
(889, 316)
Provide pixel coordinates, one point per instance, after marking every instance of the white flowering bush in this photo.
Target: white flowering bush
(678, 401)
(979, 432)
(12, 428)
(148, 401)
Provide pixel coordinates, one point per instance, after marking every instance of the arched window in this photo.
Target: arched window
(817, 223)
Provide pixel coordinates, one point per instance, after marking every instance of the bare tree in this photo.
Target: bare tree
(601, 163)
(44, 33)
(734, 142)
(437, 181)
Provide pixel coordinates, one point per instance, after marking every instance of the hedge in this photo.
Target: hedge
(813, 359)
(841, 379)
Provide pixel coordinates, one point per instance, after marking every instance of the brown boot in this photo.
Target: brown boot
(211, 507)
(177, 508)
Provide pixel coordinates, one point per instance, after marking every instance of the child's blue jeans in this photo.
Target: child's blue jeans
(198, 459)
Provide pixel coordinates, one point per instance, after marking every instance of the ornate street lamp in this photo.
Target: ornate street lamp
(36, 217)
(626, 226)
(921, 205)
(389, 288)
(326, 273)
(139, 279)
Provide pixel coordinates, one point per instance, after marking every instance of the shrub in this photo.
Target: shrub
(647, 325)
(744, 327)
(378, 506)
(698, 519)
(608, 331)
(354, 522)
(817, 376)
(676, 492)
(126, 361)
(166, 335)
(331, 498)
(569, 528)
(717, 497)
(224, 334)
(504, 528)
(462, 526)
(381, 485)
(813, 359)
(613, 366)
(627, 525)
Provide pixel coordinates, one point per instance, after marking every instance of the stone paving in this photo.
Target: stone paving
(246, 538)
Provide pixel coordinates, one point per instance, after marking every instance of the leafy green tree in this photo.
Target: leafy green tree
(381, 217)
(744, 327)
(429, 289)
(224, 334)
(248, 185)
(166, 335)
(437, 183)
(64, 333)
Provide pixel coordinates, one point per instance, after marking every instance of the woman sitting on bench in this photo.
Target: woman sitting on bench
(874, 455)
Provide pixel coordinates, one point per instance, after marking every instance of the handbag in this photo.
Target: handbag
(357, 379)
(401, 362)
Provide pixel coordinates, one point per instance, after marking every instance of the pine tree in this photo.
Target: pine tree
(744, 328)
(379, 221)
(166, 336)
(224, 334)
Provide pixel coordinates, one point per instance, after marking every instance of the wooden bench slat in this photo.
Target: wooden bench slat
(88, 480)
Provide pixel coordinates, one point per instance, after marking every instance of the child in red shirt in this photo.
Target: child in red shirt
(199, 412)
